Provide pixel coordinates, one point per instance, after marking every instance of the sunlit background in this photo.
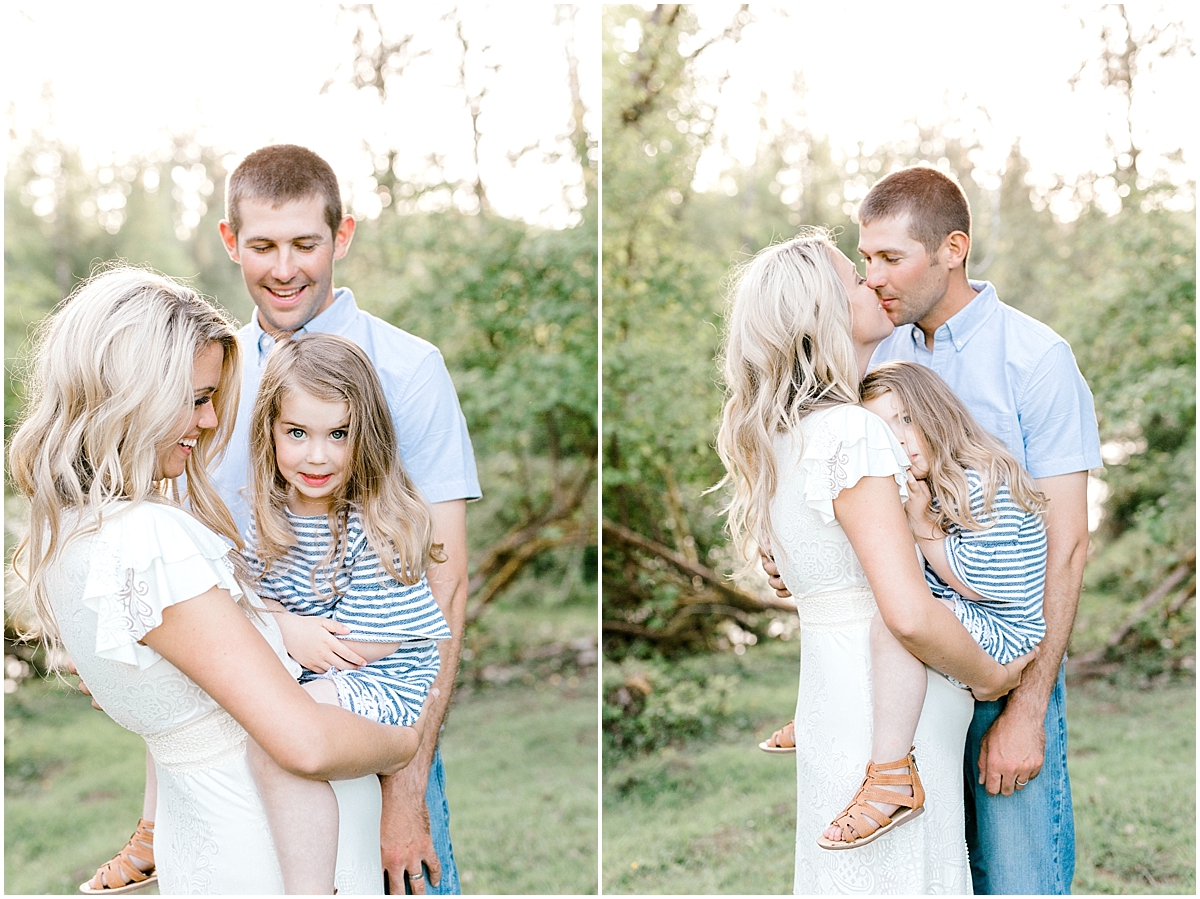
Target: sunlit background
(870, 75)
(122, 79)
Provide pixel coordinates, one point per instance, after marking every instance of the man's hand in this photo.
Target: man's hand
(1011, 753)
(772, 570)
(310, 640)
(407, 845)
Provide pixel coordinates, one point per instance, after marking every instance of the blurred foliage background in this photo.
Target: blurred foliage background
(513, 308)
(1118, 283)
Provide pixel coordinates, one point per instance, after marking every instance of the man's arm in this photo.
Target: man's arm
(1013, 748)
(404, 830)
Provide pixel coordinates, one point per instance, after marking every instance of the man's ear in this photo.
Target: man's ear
(230, 240)
(345, 234)
(956, 246)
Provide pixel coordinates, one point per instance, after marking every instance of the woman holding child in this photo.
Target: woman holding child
(136, 384)
(822, 482)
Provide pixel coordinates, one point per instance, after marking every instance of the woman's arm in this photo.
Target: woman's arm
(210, 640)
(873, 518)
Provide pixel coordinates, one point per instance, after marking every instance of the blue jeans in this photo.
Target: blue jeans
(439, 830)
(1023, 843)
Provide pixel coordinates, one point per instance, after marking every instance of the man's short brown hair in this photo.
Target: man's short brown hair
(280, 174)
(933, 201)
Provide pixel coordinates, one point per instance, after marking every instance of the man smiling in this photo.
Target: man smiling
(285, 227)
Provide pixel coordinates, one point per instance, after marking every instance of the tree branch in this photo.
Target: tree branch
(739, 598)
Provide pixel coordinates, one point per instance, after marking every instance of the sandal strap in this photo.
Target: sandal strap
(125, 873)
(862, 819)
(141, 847)
(785, 737)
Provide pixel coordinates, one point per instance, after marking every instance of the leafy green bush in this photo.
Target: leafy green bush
(648, 705)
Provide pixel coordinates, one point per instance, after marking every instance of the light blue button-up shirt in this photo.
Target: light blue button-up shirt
(1016, 376)
(434, 444)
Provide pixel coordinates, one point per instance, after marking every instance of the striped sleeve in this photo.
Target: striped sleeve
(380, 609)
(1006, 562)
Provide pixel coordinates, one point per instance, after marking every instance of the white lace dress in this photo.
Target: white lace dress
(835, 449)
(108, 589)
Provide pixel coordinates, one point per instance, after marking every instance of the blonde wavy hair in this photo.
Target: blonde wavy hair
(397, 520)
(954, 441)
(110, 385)
(787, 350)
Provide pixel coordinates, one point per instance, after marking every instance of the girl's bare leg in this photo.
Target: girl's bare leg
(898, 682)
(302, 813)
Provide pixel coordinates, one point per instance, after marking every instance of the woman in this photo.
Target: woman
(135, 384)
(821, 481)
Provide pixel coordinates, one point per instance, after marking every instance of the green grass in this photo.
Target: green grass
(718, 816)
(521, 773)
(1132, 758)
(72, 788)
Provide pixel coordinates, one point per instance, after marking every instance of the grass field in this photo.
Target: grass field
(717, 816)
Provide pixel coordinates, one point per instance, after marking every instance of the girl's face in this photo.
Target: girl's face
(312, 438)
(206, 376)
(887, 406)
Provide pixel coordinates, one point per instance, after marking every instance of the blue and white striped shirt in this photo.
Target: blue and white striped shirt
(377, 607)
(374, 605)
(1006, 565)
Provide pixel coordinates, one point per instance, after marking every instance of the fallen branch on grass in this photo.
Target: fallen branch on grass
(1184, 569)
(736, 597)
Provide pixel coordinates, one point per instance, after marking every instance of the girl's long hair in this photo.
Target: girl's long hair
(108, 387)
(954, 441)
(397, 520)
(786, 351)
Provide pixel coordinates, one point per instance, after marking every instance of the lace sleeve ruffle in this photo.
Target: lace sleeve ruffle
(146, 558)
(847, 444)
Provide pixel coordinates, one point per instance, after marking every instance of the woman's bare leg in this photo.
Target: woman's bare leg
(150, 797)
(898, 682)
(302, 813)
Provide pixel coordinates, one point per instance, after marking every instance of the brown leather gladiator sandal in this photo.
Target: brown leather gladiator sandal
(783, 740)
(121, 874)
(862, 823)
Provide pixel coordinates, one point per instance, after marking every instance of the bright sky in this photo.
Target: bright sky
(126, 74)
(870, 72)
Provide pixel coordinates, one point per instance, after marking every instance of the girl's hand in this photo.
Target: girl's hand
(310, 641)
(1012, 678)
(920, 520)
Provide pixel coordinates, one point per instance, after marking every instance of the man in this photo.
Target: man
(1020, 381)
(285, 227)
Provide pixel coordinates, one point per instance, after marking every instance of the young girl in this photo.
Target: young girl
(339, 542)
(975, 515)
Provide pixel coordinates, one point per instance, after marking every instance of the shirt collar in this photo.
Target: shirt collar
(333, 320)
(965, 323)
